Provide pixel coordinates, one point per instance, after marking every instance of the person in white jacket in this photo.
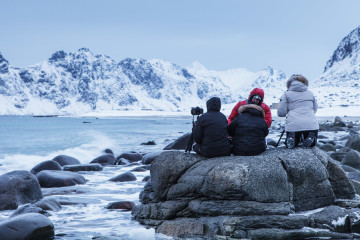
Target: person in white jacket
(299, 106)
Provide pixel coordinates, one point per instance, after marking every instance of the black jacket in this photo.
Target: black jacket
(248, 131)
(210, 131)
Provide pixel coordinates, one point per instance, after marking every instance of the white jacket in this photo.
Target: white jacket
(299, 106)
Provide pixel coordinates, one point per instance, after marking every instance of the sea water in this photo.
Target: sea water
(27, 141)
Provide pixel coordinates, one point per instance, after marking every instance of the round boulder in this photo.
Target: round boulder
(17, 188)
(180, 143)
(124, 205)
(150, 157)
(66, 160)
(52, 178)
(27, 226)
(46, 165)
(107, 159)
(83, 167)
(354, 142)
(125, 177)
(352, 159)
(130, 156)
(328, 147)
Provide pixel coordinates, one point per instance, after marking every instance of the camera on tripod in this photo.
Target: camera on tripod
(196, 111)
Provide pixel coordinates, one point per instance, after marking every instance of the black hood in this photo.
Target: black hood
(213, 104)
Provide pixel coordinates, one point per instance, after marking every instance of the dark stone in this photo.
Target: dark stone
(180, 143)
(107, 159)
(17, 188)
(339, 122)
(328, 147)
(109, 151)
(271, 142)
(145, 179)
(328, 142)
(352, 159)
(338, 156)
(354, 142)
(48, 203)
(140, 169)
(130, 156)
(46, 165)
(29, 208)
(30, 226)
(321, 137)
(124, 177)
(52, 178)
(66, 160)
(124, 205)
(83, 167)
(350, 124)
(149, 143)
(150, 157)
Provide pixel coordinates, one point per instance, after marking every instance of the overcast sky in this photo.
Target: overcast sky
(295, 36)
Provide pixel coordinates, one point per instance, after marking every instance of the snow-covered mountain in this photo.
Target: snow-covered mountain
(76, 83)
(339, 85)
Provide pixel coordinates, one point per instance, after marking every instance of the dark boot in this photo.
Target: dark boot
(290, 140)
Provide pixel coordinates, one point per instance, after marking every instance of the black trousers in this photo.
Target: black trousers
(302, 135)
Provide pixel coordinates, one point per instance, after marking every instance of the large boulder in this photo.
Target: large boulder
(17, 188)
(354, 142)
(66, 160)
(130, 156)
(150, 157)
(278, 182)
(30, 226)
(352, 159)
(180, 143)
(52, 178)
(124, 177)
(83, 167)
(46, 165)
(106, 159)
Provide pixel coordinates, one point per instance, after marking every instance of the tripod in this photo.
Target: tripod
(191, 139)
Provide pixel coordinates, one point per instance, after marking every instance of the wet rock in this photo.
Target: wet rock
(328, 147)
(108, 151)
(338, 156)
(150, 157)
(149, 143)
(83, 167)
(352, 159)
(140, 169)
(124, 205)
(339, 122)
(17, 188)
(29, 208)
(354, 142)
(350, 124)
(29, 226)
(130, 156)
(46, 165)
(145, 179)
(63, 160)
(124, 177)
(261, 192)
(107, 159)
(52, 178)
(48, 203)
(180, 143)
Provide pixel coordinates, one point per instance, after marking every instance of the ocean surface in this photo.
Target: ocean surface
(26, 141)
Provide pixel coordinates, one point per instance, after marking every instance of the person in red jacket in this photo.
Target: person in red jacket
(257, 94)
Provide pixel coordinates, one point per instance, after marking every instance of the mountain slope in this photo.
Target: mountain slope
(76, 83)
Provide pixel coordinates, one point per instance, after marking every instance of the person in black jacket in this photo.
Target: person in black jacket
(248, 130)
(210, 132)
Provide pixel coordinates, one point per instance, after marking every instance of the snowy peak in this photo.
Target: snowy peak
(349, 47)
(4, 65)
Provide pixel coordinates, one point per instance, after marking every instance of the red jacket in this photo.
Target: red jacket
(258, 91)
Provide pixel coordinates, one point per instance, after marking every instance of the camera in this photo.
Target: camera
(197, 111)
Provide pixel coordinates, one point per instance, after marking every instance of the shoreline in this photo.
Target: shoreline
(343, 112)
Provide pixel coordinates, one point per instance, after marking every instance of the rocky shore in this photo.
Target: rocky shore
(280, 194)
